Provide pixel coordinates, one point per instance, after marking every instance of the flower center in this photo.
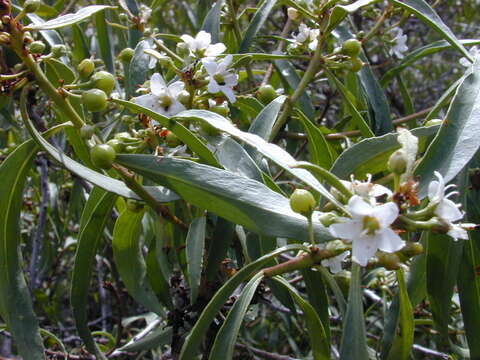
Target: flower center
(219, 79)
(371, 224)
(165, 100)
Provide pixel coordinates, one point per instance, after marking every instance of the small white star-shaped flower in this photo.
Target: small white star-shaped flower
(366, 189)
(446, 209)
(201, 45)
(221, 79)
(305, 35)
(335, 263)
(369, 229)
(400, 43)
(162, 98)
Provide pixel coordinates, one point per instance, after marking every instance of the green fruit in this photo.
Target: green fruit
(86, 68)
(302, 202)
(352, 47)
(356, 64)
(86, 131)
(36, 47)
(103, 156)
(172, 140)
(126, 55)
(117, 145)
(103, 80)
(266, 93)
(389, 261)
(222, 109)
(31, 6)
(94, 100)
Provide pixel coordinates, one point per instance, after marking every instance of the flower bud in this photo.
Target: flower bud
(59, 50)
(434, 122)
(86, 68)
(123, 17)
(36, 47)
(31, 6)
(356, 64)
(117, 145)
(352, 47)
(86, 131)
(103, 156)
(328, 219)
(172, 140)
(266, 93)
(126, 55)
(389, 261)
(411, 249)
(184, 97)
(221, 109)
(293, 13)
(302, 202)
(397, 163)
(182, 49)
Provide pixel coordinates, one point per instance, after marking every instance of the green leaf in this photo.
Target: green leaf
(80, 48)
(271, 151)
(402, 344)
(105, 46)
(15, 303)
(227, 335)
(443, 260)
(371, 155)
(193, 340)
(425, 13)
(149, 339)
(256, 24)
(340, 12)
(419, 54)
(95, 215)
(211, 23)
(234, 157)
(105, 182)
(68, 19)
(290, 76)
(318, 146)
(238, 199)
(318, 338)
(185, 135)
(127, 252)
(219, 244)
(457, 141)
(354, 337)
(195, 244)
(248, 105)
(58, 73)
(52, 37)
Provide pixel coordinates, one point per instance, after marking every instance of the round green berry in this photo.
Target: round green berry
(94, 100)
(103, 156)
(86, 131)
(126, 55)
(302, 202)
(356, 64)
(103, 80)
(397, 163)
(36, 47)
(266, 93)
(352, 47)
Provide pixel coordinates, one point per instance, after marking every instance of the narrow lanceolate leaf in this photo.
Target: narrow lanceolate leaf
(15, 302)
(95, 215)
(443, 260)
(403, 341)
(105, 46)
(320, 153)
(233, 157)
(107, 183)
(243, 201)
(354, 337)
(457, 140)
(271, 151)
(340, 12)
(193, 340)
(227, 335)
(425, 13)
(195, 249)
(257, 22)
(127, 252)
(211, 24)
(318, 338)
(190, 139)
(69, 19)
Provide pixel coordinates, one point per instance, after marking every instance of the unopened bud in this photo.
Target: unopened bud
(412, 249)
(4, 38)
(389, 261)
(86, 68)
(293, 13)
(184, 97)
(31, 6)
(356, 64)
(328, 219)
(36, 47)
(59, 50)
(302, 202)
(126, 55)
(434, 122)
(397, 163)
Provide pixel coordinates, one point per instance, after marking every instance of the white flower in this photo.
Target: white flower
(305, 34)
(474, 51)
(446, 209)
(162, 98)
(366, 189)
(220, 78)
(400, 43)
(369, 229)
(409, 145)
(201, 45)
(335, 263)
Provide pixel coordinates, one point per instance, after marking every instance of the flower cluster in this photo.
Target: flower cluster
(306, 37)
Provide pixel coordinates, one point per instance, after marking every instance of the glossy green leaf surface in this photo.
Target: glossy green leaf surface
(195, 251)
(256, 24)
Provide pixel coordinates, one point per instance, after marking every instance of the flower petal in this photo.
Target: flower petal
(457, 232)
(448, 211)
(228, 91)
(386, 213)
(210, 65)
(389, 241)
(215, 49)
(363, 248)
(203, 39)
(359, 207)
(175, 88)
(348, 230)
(157, 84)
(213, 86)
